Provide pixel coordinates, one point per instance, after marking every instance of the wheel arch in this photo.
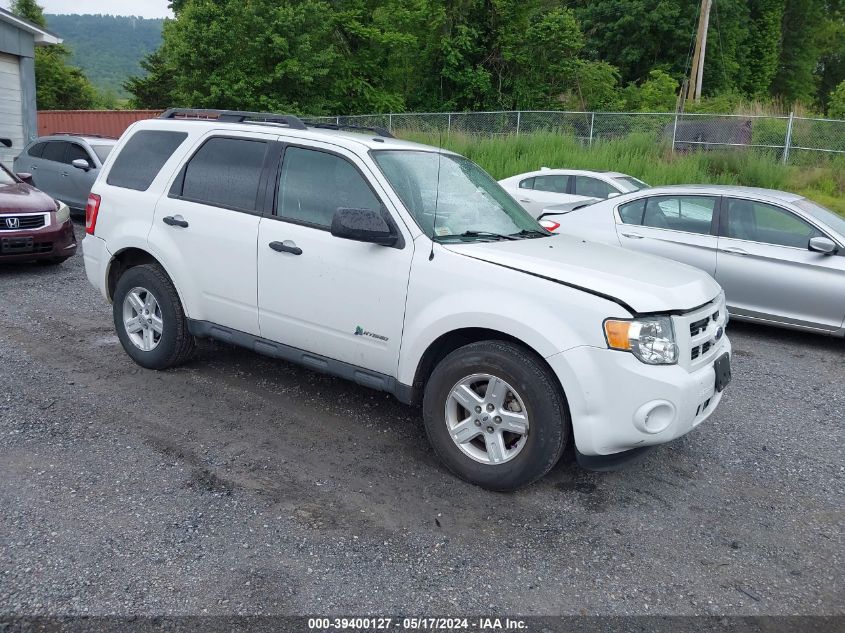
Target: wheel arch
(448, 342)
(130, 257)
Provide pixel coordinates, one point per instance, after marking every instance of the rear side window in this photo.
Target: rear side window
(554, 184)
(632, 212)
(225, 172)
(55, 151)
(142, 158)
(36, 150)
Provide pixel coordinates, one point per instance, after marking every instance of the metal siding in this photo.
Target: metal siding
(102, 122)
(11, 108)
(14, 41)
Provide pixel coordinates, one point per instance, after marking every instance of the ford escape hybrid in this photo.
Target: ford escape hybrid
(407, 269)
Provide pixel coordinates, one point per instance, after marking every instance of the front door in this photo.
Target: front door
(338, 298)
(768, 272)
(677, 227)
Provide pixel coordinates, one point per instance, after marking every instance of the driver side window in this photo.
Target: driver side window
(766, 223)
(314, 184)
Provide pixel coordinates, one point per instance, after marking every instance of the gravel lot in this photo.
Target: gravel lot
(243, 485)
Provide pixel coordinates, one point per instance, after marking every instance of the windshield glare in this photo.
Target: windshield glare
(822, 214)
(6, 177)
(468, 201)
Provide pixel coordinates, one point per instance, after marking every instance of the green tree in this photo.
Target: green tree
(658, 93)
(59, 86)
(802, 37)
(836, 103)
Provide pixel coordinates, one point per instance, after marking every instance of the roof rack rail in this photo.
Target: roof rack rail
(342, 126)
(113, 138)
(234, 116)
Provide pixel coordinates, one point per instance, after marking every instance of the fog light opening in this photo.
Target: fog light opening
(654, 417)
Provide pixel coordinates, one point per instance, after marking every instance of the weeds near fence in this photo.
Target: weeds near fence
(655, 163)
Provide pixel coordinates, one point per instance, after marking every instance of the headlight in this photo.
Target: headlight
(651, 339)
(62, 212)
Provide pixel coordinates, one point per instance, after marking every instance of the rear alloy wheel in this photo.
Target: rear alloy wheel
(495, 414)
(142, 319)
(149, 319)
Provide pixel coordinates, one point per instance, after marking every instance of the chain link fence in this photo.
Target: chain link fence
(789, 138)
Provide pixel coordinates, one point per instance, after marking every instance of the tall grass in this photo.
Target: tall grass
(641, 156)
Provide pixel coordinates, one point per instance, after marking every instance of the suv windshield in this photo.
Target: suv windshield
(469, 203)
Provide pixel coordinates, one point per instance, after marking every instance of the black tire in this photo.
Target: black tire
(548, 413)
(176, 344)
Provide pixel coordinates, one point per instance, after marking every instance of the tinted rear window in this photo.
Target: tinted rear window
(142, 158)
(225, 172)
(36, 150)
(55, 151)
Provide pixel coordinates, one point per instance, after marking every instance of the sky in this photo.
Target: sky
(143, 8)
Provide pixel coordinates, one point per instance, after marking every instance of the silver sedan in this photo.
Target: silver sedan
(779, 256)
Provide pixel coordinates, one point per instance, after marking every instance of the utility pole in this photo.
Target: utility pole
(697, 71)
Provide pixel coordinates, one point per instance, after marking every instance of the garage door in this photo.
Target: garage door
(11, 117)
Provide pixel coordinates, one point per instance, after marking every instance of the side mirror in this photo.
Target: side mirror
(26, 177)
(7, 142)
(81, 163)
(822, 245)
(363, 225)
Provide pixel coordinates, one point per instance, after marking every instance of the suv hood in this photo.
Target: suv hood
(21, 198)
(646, 283)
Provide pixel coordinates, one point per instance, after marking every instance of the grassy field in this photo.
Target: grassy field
(641, 157)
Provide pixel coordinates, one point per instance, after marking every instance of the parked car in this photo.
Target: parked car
(326, 247)
(779, 256)
(569, 188)
(65, 166)
(33, 226)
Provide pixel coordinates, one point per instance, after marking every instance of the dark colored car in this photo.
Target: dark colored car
(33, 226)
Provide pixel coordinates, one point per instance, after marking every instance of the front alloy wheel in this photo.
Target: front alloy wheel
(487, 419)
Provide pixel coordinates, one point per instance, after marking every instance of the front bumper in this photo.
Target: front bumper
(54, 241)
(618, 403)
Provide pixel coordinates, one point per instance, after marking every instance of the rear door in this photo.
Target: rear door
(680, 227)
(207, 226)
(47, 169)
(767, 270)
(590, 187)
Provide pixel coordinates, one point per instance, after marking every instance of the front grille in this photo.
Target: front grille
(704, 325)
(23, 222)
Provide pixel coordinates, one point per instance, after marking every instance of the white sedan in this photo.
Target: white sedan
(571, 188)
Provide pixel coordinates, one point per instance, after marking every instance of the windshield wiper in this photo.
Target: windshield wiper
(532, 233)
(487, 234)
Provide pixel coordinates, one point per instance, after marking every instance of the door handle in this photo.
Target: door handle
(288, 246)
(177, 220)
(64, 174)
(735, 250)
(633, 236)
(525, 200)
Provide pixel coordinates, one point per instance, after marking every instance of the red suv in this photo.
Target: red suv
(33, 226)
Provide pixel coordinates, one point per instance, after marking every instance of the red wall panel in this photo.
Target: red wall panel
(102, 122)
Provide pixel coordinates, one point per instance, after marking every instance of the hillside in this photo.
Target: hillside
(107, 48)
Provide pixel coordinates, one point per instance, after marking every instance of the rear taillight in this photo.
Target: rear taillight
(550, 225)
(91, 211)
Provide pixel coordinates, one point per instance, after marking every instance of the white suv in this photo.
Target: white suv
(406, 269)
